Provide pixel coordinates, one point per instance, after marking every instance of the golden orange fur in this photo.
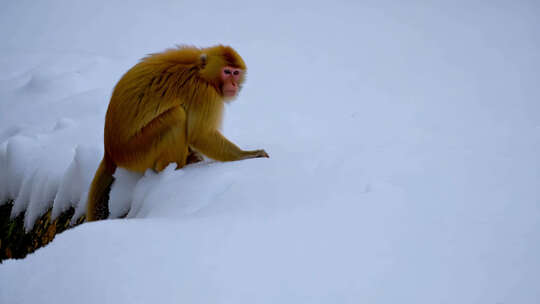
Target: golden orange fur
(166, 109)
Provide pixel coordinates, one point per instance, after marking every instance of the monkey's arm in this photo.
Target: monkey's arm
(214, 145)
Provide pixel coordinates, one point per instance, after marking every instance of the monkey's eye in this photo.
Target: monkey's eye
(227, 72)
(236, 72)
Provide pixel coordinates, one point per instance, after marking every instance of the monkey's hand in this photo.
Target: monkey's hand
(257, 154)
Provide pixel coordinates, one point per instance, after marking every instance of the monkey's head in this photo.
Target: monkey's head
(224, 69)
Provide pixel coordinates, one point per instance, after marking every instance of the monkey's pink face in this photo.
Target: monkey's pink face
(230, 78)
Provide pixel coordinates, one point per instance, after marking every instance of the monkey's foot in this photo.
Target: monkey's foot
(194, 157)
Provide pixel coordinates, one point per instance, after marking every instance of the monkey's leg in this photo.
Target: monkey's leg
(161, 142)
(171, 146)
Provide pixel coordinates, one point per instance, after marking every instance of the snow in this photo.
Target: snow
(403, 140)
(75, 184)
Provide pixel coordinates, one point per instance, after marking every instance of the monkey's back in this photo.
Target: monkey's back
(147, 90)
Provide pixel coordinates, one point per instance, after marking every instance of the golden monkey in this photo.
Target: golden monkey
(168, 109)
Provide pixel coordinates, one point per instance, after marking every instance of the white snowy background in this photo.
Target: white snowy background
(404, 139)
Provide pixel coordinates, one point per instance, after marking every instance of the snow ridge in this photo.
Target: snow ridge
(35, 188)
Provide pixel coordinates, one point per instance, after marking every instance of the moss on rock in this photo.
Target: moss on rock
(16, 244)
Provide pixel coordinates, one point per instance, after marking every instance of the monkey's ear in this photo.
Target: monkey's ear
(204, 60)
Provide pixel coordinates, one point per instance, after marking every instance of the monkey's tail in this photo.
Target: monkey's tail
(97, 207)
